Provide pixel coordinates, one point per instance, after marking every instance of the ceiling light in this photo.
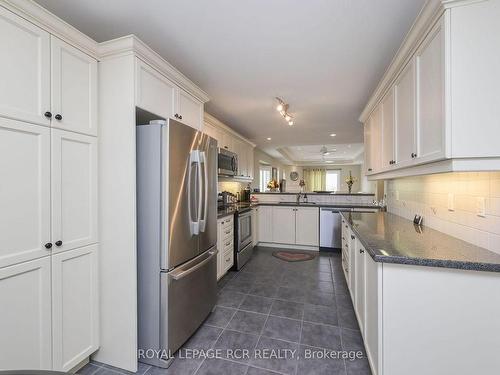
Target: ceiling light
(268, 138)
(333, 135)
(328, 161)
(282, 108)
(290, 123)
(287, 118)
(279, 108)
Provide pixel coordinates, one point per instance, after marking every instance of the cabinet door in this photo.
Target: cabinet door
(284, 230)
(153, 91)
(388, 130)
(211, 131)
(25, 320)
(373, 299)
(24, 69)
(227, 141)
(24, 191)
(376, 140)
(74, 190)
(265, 224)
(250, 161)
(307, 226)
(368, 154)
(405, 115)
(240, 150)
(75, 309)
(220, 248)
(359, 304)
(255, 225)
(431, 97)
(352, 265)
(73, 88)
(191, 110)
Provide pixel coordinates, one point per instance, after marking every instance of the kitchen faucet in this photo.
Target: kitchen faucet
(298, 198)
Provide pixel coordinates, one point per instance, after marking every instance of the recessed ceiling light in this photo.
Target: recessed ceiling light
(333, 135)
(328, 161)
(268, 138)
(290, 123)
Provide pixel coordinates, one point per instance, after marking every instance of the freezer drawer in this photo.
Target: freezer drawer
(330, 225)
(188, 295)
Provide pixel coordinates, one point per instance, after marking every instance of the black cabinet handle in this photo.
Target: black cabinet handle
(180, 117)
(361, 251)
(48, 245)
(58, 243)
(369, 169)
(58, 117)
(48, 114)
(352, 237)
(413, 155)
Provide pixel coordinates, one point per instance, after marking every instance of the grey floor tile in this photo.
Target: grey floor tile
(321, 336)
(239, 285)
(321, 314)
(203, 338)
(313, 362)
(88, 369)
(320, 298)
(180, 366)
(236, 341)
(264, 289)
(142, 368)
(220, 317)
(256, 304)
(358, 367)
(107, 371)
(288, 352)
(287, 309)
(352, 340)
(345, 311)
(290, 294)
(259, 371)
(230, 298)
(248, 322)
(221, 367)
(282, 328)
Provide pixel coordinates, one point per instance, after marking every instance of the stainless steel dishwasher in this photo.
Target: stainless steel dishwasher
(330, 231)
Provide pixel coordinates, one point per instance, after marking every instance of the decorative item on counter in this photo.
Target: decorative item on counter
(282, 185)
(350, 181)
(302, 185)
(273, 185)
(254, 199)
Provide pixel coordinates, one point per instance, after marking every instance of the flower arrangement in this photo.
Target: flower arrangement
(273, 185)
(350, 181)
(302, 184)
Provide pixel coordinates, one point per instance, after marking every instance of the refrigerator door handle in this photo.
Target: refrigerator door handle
(181, 273)
(194, 159)
(203, 220)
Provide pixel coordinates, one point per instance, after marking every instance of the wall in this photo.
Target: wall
(356, 173)
(261, 156)
(231, 186)
(428, 195)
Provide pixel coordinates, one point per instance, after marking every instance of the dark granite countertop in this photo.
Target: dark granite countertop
(233, 208)
(389, 238)
(314, 193)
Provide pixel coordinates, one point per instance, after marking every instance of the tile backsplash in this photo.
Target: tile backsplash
(452, 203)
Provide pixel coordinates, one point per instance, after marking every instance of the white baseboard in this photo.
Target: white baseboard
(288, 246)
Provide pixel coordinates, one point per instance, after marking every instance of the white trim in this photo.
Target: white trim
(219, 124)
(131, 44)
(42, 18)
(288, 246)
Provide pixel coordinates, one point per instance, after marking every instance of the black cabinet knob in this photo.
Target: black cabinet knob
(58, 243)
(48, 114)
(180, 117)
(361, 251)
(48, 245)
(58, 117)
(176, 115)
(352, 237)
(369, 169)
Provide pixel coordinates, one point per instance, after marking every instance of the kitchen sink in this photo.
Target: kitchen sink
(298, 204)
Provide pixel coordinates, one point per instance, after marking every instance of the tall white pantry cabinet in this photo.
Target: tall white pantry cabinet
(48, 199)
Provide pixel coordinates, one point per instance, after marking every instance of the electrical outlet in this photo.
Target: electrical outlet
(451, 202)
(480, 206)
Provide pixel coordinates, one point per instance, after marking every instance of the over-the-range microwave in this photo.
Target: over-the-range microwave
(228, 163)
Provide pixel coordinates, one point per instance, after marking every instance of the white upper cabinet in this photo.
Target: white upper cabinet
(24, 69)
(430, 96)
(405, 115)
(24, 191)
(74, 190)
(307, 226)
(376, 140)
(388, 157)
(25, 320)
(73, 89)
(368, 144)
(250, 161)
(75, 327)
(153, 91)
(190, 110)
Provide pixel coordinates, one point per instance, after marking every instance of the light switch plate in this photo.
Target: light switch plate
(451, 202)
(397, 195)
(480, 206)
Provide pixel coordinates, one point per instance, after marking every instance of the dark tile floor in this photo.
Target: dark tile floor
(293, 308)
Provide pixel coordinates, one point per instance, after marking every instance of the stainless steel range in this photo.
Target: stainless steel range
(243, 248)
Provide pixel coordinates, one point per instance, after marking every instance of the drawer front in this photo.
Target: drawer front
(227, 260)
(228, 223)
(227, 245)
(227, 233)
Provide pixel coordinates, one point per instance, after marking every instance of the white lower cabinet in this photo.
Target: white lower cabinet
(25, 316)
(284, 228)
(373, 308)
(225, 245)
(307, 226)
(265, 224)
(359, 300)
(75, 313)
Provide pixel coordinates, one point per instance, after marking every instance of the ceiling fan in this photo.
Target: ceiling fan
(325, 151)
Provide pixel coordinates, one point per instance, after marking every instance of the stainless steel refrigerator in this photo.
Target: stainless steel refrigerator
(176, 235)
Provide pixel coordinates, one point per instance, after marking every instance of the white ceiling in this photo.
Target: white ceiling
(324, 57)
(311, 154)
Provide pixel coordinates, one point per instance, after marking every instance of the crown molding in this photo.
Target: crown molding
(36, 14)
(132, 44)
(219, 124)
